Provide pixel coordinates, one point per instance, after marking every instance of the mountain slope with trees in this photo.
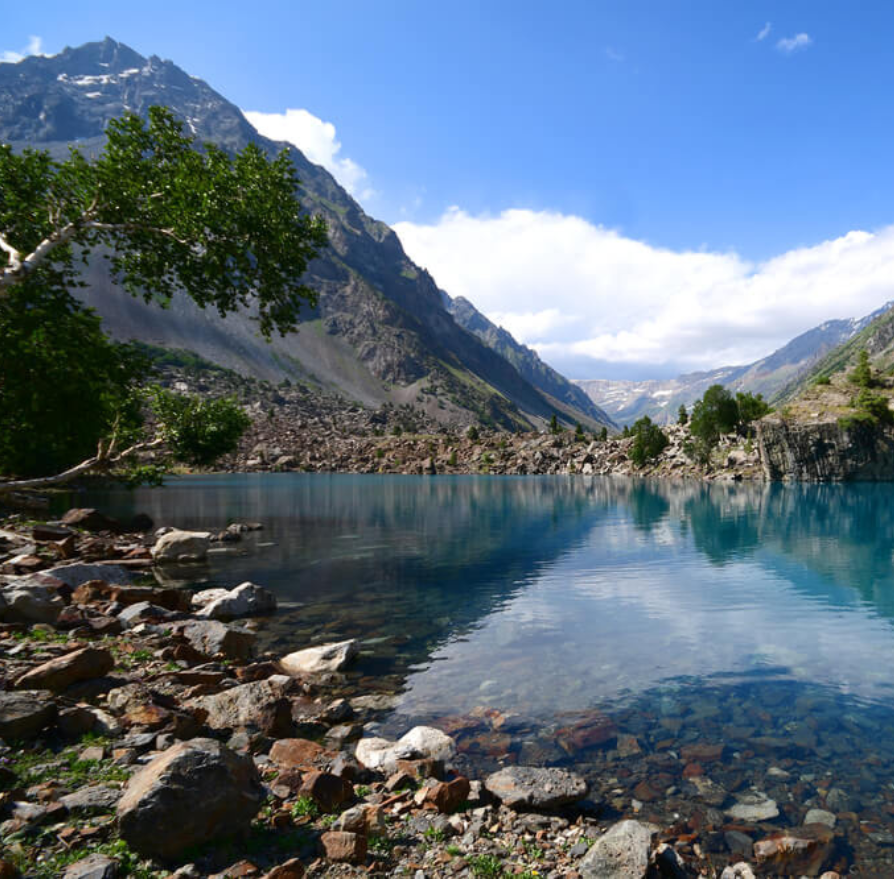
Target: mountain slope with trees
(379, 332)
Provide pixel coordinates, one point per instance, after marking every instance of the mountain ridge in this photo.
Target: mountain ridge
(380, 332)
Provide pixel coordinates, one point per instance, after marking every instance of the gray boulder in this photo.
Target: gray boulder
(92, 867)
(212, 638)
(181, 546)
(27, 600)
(77, 573)
(622, 853)
(528, 787)
(194, 792)
(262, 704)
(320, 660)
(87, 800)
(25, 713)
(245, 600)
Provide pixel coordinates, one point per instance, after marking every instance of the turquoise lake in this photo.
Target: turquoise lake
(746, 630)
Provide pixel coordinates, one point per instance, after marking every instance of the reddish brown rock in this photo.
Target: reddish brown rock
(448, 796)
(701, 753)
(594, 730)
(291, 869)
(297, 753)
(643, 791)
(341, 845)
(327, 790)
(90, 520)
(63, 671)
(798, 851)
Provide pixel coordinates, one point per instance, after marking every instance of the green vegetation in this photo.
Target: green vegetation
(305, 807)
(822, 380)
(485, 865)
(682, 415)
(718, 413)
(226, 230)
(603, 435)
(579, 433)
(434, 834)
(554, 427)
(751, 407)
(871, 408)
(472, 433)
(862, 374)
(649, 440)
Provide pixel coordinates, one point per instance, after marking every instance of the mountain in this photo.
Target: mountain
(564, 394)
(380, 331)
(626, 401)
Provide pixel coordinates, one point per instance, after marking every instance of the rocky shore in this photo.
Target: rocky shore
(144, 735)
(271, 447)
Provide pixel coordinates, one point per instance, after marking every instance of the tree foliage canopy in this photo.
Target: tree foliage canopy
(649, 440)
(715, 414)
(226, 230)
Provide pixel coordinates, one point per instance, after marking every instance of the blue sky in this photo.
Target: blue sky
(745, 132)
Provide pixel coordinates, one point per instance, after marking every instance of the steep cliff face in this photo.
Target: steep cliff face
(800, 451)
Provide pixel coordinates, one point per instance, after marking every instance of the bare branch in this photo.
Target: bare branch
(15, 258)
(99, 461)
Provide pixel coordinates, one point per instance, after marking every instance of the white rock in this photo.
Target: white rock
(737, 871)
(429, 742)
(820, 816)
(181, 546)
(206, 596)
(245, 600)
(318, 660)
(754, 807)
(381, 755)
(29, 601)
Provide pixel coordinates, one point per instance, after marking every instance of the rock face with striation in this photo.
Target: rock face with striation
(194, 792)
(824, 451)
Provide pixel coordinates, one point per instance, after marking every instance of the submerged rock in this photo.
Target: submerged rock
(535, 788)
(322, 659)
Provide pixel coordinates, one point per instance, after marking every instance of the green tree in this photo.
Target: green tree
(603, 434)
(682, 414)
(226, 230)
(751, 407)
(649, 440)
(862, 374)
(579, 433)
(715, 414)
(554, 424)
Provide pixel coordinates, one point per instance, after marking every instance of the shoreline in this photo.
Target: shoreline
(175, 677)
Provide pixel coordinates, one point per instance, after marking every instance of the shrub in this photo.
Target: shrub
(648, 443)
(862, 374)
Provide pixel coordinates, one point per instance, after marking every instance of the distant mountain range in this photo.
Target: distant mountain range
(382, 331)
(772, 376)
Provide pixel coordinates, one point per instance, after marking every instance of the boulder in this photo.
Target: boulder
(262, 704)
(342, 845)
(24, 714)
(622, 853)
(27, 600)
(212, 638)
(92, 867)
(429, 742)
(60, 673)
(319, 660)
(87, 800)
(296, 753)
(194, 792)
(528, 787)
(76, 573)
(381, 755)
(90, 520)
(291, 869)
(245, 600)
(328, 791)
(181, 546)
(448, 796)
(143, 612)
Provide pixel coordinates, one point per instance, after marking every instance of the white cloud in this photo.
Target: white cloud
(34, 47)
(794, 44)
(764, 32)
(583, 294)
(317, 140)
